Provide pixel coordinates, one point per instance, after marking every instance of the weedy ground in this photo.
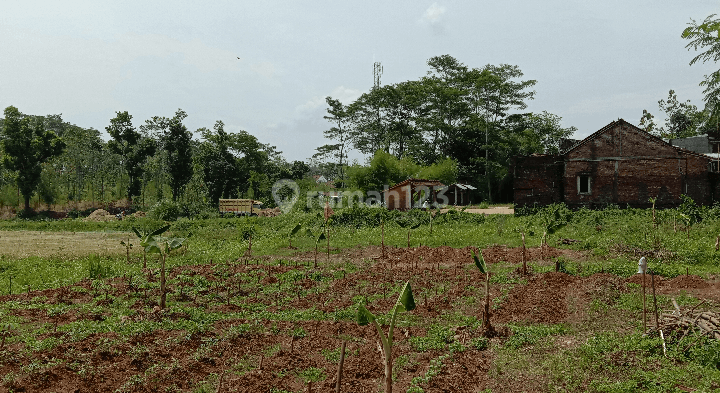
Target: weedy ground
(270, 321)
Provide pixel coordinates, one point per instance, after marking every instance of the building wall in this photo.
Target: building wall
(698, 144)
(537, 180)
(626, 166)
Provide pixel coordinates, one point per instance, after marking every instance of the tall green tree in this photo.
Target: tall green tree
(219, 165)
(706, 36)
(340, 132)
(176, 142)
(26, 146)
(132, 146)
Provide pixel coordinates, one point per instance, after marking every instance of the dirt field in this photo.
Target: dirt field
(135, 348)
(492, 210)
(22, 244)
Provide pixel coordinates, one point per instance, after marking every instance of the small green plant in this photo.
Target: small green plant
(405, 302)
(410, 226)
(480, 263)
(163, 247)
(292, 233)
(145, 238)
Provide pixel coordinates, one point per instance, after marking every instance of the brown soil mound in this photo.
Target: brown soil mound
(139, 214)
(637, 279)
(495, 254)
(425, 256)
(542, 300)
(100, 215)
(681, 282)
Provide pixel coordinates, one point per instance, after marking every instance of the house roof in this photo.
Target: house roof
(421, 182)
(461, 186)
(617, 122)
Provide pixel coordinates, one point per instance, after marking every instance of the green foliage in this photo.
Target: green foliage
(165, 210)
(531, 334)
(437, 338)
(132, 146)
(479, 262)
(705, 35)
(98, 270)
(26, 146)
(387, 170)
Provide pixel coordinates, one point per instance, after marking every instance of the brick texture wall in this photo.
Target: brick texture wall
(537, 180)
(626, 166)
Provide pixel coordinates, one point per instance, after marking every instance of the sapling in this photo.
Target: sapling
(480, 263)
(653, 200)
(405, 302)
(292, 233)
(145, 238)
(163, 248)
(409, 225)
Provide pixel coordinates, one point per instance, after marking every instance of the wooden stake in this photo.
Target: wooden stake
(382, 239)
(657, 326)
(644, 308)
(523, 254)
(340, 367)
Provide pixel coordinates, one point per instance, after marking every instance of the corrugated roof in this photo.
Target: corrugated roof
(423, 182)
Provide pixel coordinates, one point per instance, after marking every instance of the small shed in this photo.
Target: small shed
(411, 193)
(458, 194)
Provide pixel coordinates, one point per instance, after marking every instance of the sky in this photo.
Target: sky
(266, 67)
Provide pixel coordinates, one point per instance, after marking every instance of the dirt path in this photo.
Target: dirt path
(492, 210)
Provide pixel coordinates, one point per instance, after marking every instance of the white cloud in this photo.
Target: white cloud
(346, 96)
(264, 68)
(610, 103)
(433, 14)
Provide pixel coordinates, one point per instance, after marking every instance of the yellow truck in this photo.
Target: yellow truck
(239, 207)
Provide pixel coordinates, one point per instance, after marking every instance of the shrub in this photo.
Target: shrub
(165, 210)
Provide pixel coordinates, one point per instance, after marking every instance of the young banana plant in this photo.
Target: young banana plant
(409, 225)
(293, 232)
(405, 302)
(146, 237)
(163, 247)
(480, 263)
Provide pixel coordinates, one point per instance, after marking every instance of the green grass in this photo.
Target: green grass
(605, 352)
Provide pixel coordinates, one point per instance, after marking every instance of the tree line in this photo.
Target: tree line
(57, 162)
(472, 116)
(682, 118)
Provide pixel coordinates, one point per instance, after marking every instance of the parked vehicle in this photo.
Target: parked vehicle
(239, 207)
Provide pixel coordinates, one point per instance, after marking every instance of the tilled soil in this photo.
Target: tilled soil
(157, 359)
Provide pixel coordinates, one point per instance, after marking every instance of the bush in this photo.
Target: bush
(165, 210)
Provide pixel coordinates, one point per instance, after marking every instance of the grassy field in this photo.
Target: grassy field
(77, 306)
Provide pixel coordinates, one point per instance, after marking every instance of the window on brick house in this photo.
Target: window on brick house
(584, 184)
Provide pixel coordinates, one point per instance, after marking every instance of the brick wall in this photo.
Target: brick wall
(537, 180)
(625, 165)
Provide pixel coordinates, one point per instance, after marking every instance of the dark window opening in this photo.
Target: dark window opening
(584, 186)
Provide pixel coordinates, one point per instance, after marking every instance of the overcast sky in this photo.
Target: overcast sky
(595, 61)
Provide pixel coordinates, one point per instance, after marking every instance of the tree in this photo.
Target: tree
(132, 146)
(683, 119)
(298, 169)
(706, 35)
(176, 142)
(340, 117)
(493, 93)
(26, 147)
(220, 170)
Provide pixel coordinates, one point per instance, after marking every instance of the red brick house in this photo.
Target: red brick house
(619, 164)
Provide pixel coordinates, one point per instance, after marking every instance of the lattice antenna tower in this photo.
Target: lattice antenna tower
(377, 72)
